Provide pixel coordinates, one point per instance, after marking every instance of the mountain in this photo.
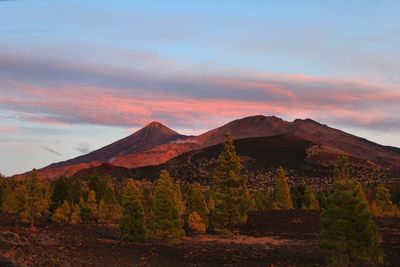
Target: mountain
(156, 144)
(258, 126)
(147, 138)
(304, 160)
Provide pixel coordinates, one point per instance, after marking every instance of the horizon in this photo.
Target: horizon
(76, 76)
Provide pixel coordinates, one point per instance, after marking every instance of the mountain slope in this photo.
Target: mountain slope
(148, 137)
(346, 143)
(258, 126)
(260, 157)
(156, 144)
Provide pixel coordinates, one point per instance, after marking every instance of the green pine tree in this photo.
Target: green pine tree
(263, 199)
(109, 208)
(15, 200)
(60, 193)
(197, 202)
(9, 202)
(167, 222)
(347, 227)
(310, 200)
(37, 199)
(132, 218)
(383, 201)
(282, 197)
(180, 200)
(297, 193)
(396, 196)
(342, 169)
(231, 197)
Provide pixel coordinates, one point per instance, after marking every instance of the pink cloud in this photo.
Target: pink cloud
(8, 129)
(209, 98)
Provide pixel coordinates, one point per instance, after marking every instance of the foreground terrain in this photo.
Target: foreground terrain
(272, 238)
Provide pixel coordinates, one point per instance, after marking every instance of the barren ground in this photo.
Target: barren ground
(280, 238)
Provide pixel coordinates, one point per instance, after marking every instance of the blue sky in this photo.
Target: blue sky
(76, 75)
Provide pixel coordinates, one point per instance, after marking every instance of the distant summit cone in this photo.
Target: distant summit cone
(148, 137)
(156, 133)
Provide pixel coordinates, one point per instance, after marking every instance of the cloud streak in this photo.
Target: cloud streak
(83, 148)
(51, 150)
(50, 91)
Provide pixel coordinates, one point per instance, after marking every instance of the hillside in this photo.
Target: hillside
(156, 144)
(260, 157)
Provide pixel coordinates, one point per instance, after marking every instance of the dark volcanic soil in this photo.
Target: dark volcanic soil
(282, 238)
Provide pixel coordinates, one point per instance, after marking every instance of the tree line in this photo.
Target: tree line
(169, 209)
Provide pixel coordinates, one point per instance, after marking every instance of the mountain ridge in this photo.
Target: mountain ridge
(155, 144)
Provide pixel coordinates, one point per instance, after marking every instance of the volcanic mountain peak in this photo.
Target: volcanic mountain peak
(155, 124)
(146, 138)
(156, 128)
(253, 126)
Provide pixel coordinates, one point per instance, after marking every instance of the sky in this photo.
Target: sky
(78, 75)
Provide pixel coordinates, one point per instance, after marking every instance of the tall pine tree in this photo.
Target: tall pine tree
(109, 208)
(60, 193)
(37, 199)
(231, 197)
(179, 199)
(132, 217)
(167, 222)
(347, 227)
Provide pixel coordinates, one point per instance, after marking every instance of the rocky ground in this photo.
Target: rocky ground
(273, 238)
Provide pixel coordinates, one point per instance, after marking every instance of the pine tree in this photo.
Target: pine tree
(84, 211)
(396, 196)
(322, 196)
(282, 197)
(147, 201)
(263, 199)
(196, 202)
(9, 204)
(37, 200)
(91, 207)
(60, 193)
(297, 193)
(383, 201)
(132, 218)
(179, 199)
(103, 215)
(109, 208)
(231, 197)
(310, 201)
(347, 227)
(167, 222)
(15, 201)
(196, 223)
(62, 214)
(75, 214)
(342, 169)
